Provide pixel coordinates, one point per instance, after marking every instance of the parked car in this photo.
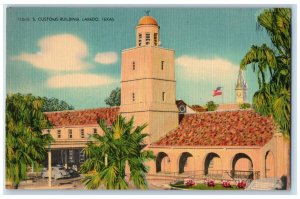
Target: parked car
(57, 172)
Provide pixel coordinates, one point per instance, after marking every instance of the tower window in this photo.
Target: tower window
(140, 39)
(155, 39)
(133, 65)
(163, 96)
(147, 38)
(70, 134)
(162, 65)
(133, 97)
(58, 133)
(95, 131)
(82, 133)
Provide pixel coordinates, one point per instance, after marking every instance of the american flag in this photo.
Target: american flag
(218, 91)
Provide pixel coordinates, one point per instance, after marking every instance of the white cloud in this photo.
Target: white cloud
(218, 70)
(62, 52)
(106, 58)
(79, 80)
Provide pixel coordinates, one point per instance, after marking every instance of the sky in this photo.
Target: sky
(57, 52)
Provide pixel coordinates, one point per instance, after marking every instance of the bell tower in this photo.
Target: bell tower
(241, 89)
(148, 82)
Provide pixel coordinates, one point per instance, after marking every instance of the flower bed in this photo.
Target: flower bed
(203, 186)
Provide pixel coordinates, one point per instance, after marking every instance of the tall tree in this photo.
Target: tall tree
(114, 98)
(107, 156)
(54, 104)
(25, 143)
(272, 66)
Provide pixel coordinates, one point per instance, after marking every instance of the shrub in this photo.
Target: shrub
(245, 106)
(209, 183)
(226, 184)
(241, 184)
(189, 182)
(211, 106)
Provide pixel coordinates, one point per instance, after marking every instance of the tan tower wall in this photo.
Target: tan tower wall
(147, 80)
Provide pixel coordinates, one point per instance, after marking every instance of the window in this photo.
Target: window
(95, 131)
(82, 133)
(162, 65)
(140, 39)
(58, 133)
(133, 65)
(81, 157)
(155, 39)
(163, 96)
(147, 38)
(133, 97)
(71, 156)
(48, 131)
(70, 134)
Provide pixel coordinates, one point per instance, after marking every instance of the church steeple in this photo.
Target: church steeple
(241, 83)
(241, 88)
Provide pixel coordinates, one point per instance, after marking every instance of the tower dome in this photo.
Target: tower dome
(147, 20)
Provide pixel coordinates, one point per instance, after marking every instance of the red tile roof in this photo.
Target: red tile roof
(82, 117)
(225, 128)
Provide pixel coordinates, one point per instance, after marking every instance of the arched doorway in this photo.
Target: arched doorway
(162, 162)
(242, 166)
(213, 165)
(186, 162)
(269, 165)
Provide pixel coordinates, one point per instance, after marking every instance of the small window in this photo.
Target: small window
(81, 157)
(163, 96)
(133, 65)
(70, 134)
(162, 65)
(140, 39)
(82, 133)
(147, 38)
(58, 133)
(155, 39)
(133, 97)
(48, 131)
(95, 131)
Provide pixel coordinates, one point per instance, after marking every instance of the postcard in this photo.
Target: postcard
(150, 98)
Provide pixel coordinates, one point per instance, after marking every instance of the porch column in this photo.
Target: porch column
(49, 168)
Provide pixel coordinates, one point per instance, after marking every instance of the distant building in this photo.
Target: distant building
(241, 89)
(224, 144)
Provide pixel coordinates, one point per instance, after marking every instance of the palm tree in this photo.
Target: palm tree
(108, 155)
(272, 66)
(25, 144)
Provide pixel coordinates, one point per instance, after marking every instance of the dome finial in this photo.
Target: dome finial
(147, 12)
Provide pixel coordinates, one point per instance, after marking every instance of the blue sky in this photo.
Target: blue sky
(79, 61)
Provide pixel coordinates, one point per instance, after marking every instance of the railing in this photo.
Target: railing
(199, 175)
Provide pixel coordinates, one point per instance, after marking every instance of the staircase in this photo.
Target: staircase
(265, 184)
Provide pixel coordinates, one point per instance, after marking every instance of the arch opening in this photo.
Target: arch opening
(162, 162)
(269, 165)
(242, 166)
(186, 162)
(213, 166)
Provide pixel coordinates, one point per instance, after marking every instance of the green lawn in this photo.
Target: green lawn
(204, 187)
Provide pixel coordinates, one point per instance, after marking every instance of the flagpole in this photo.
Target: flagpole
(222, 94)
